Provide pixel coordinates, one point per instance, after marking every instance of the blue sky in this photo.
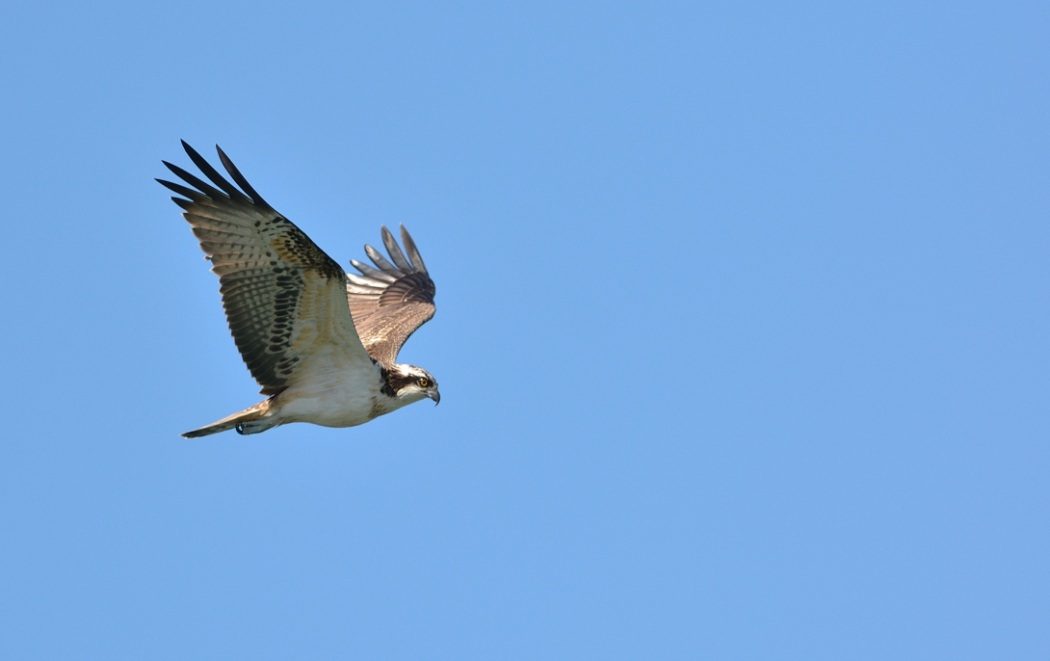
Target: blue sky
(741, 332)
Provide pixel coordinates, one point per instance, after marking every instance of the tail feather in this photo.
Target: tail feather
(235, 421)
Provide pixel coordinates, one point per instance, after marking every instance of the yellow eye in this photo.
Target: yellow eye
(423, 382)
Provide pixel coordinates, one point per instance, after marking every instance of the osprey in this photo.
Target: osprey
(322, 343)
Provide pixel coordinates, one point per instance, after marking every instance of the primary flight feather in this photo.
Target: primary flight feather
(321, 343)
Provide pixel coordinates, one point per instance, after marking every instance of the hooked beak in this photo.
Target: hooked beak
(436, 396)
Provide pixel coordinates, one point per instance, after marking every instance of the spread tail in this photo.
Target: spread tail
(249, 421)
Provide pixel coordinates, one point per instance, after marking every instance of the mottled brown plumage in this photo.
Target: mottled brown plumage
(275, 281)
(390, 301)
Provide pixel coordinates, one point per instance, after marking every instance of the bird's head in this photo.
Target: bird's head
(409, 383)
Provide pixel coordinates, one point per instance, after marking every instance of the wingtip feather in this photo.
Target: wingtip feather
(394, 251)
(413, 252)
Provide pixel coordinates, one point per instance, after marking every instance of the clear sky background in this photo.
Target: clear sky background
(741, 332)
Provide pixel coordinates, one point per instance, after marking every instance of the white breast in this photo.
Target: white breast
(332, 390)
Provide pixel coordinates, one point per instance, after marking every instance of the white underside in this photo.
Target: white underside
(335, 395)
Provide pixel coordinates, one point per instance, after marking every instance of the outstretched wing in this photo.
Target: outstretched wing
(390, 301)
(285, 299)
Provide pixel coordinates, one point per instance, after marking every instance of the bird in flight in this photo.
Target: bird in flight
(322, 343)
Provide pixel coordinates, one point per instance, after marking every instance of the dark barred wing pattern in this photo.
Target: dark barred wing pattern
(282, 294)
(391, 299)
